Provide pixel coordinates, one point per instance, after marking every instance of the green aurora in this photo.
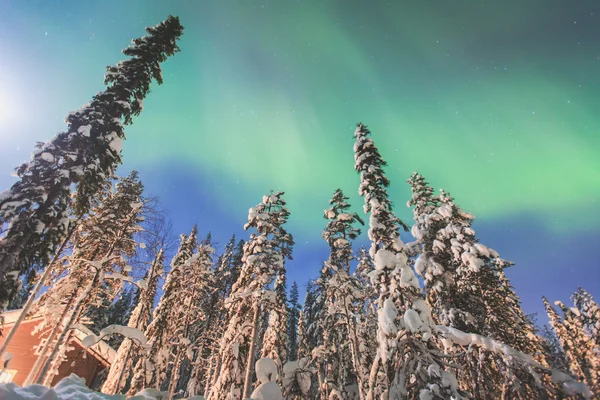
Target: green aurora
(496, 103)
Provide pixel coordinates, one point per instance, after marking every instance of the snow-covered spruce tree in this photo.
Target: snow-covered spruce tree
(86, 154)
(194, 308)
(366, 317)
(467, 289)
(105, 311)
(151, 369)
(307, 338)
(120, 312)
(577, 345)
(554, 352)
(121, 367)
(590, 314)
(275, 340)
(307, 332)
(103, 241)
(338, 355)
(263, 259)
(25, 289)
(208, 333)
(293, 321)
(408, 358)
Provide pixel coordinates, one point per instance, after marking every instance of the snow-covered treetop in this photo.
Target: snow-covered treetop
(422, 196)
(339, 230)
(384, 224)
(267, 249)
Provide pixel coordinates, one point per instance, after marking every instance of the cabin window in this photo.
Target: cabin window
(7, 375)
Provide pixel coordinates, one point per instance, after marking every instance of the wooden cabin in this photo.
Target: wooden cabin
(90, 364)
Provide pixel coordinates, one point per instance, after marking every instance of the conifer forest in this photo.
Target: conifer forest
(83, 245)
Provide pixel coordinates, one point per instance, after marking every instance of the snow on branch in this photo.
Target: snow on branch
(126, 331)
(455, 336)
(142, 284)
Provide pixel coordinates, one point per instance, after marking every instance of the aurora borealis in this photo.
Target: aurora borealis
(496, 102)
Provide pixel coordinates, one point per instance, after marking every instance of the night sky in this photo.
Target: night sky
(495, 101)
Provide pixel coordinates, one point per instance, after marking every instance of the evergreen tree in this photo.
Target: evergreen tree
(86, 154)
(103, 242)
(293, 322)
(307, 337)
(405, 323)
(555, 354)
(263, 260)
(366, 319)
(152, 369)
(208, 334)
(467, 289)
(128, 353)
(25, 287)
(577, 345)
(192, 310)
(339, 352)
(590, 314)
(275, 340)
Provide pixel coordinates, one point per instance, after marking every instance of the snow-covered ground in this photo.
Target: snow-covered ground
(73, 388)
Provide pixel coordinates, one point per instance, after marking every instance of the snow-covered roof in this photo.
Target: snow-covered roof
(10, 317)
(101, 349)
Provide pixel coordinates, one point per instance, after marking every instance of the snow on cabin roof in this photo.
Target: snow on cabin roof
(10, 317)
(101, 349)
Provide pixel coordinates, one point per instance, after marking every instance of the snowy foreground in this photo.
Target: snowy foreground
(74, 388)
(71, 388)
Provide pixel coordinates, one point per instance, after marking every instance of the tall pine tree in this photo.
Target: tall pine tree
(590, 314)
(264, 256)
(293, 320)
(103, 242)
(339, 354)
(583, 361)
(128, 353)
(86, 154)
(153, 368)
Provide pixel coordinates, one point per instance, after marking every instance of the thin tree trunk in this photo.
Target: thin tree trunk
(354, 351)
(251, 353)
(79, 303)
(175, 375)
(39, 362)
(113, 388)
(373, 376)
(209, 372)
(125, 362)
(33, 295)
(66, 330)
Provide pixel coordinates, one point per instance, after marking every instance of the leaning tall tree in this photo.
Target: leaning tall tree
(406, 356)
(34, 209)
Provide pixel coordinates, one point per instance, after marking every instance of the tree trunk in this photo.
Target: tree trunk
(209, 372)
(33, 295)
(72, 318)
(112, 386)
(175, 375)
(354, 350)
(373, 377)
(251, 353)
(39, 362)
